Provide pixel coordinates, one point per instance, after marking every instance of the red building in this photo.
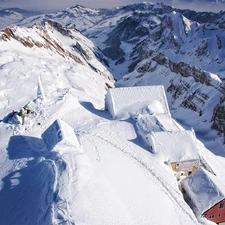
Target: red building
(216, 213)
(206, 195)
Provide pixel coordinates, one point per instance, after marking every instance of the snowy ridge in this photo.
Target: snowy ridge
(83, 182)
(26, 42)
(13, 16)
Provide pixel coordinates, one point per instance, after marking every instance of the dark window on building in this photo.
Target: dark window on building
(219, 215)
(211, 216)
(221, 205)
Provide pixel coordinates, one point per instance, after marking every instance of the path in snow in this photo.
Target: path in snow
(114, 136)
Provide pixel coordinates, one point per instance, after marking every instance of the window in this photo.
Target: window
(221, 205)
(219, 215)
(211, 216)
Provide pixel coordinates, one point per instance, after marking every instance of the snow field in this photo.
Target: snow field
(30, 175)
(126, 179)
(115, 179)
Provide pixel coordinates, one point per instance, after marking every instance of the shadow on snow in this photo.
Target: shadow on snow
(28, 191)
(138, 140)
(101, 113)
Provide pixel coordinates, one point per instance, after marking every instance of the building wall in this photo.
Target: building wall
(59, 133)
(216, 213)
(185, 166)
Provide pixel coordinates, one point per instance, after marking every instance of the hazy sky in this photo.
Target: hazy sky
(54, 5)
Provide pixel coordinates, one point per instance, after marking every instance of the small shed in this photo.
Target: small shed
(178, 148)
(132, 99)
(206, 195)
(59, 134)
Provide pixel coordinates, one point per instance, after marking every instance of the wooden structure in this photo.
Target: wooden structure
(216, 213)
(185, 167)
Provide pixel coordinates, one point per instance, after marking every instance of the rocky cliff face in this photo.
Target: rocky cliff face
(218, 118)
(45, 40)
(190, 53)
(189, 88)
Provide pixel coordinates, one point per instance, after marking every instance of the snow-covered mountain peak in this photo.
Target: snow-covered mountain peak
(64, 41)
(40, 47)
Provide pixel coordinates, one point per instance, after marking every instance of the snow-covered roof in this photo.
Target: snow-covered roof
(59, 132)
(132, 99)
(147, 123)
(176, 146)
(204, 189)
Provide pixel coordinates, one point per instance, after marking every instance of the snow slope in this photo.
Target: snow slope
(111, 178)
(114, 181)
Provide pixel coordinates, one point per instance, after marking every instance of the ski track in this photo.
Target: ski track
(170, 192)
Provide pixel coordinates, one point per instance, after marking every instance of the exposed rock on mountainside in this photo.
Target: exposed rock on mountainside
(141, 41)
(181, 68)
(211, 19)
(47, 42)
(128, 29)
(195, 94)
(218, 117)
(42, 37)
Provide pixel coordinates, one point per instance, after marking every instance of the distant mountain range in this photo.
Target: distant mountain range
(146, 44)
(14, 16)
